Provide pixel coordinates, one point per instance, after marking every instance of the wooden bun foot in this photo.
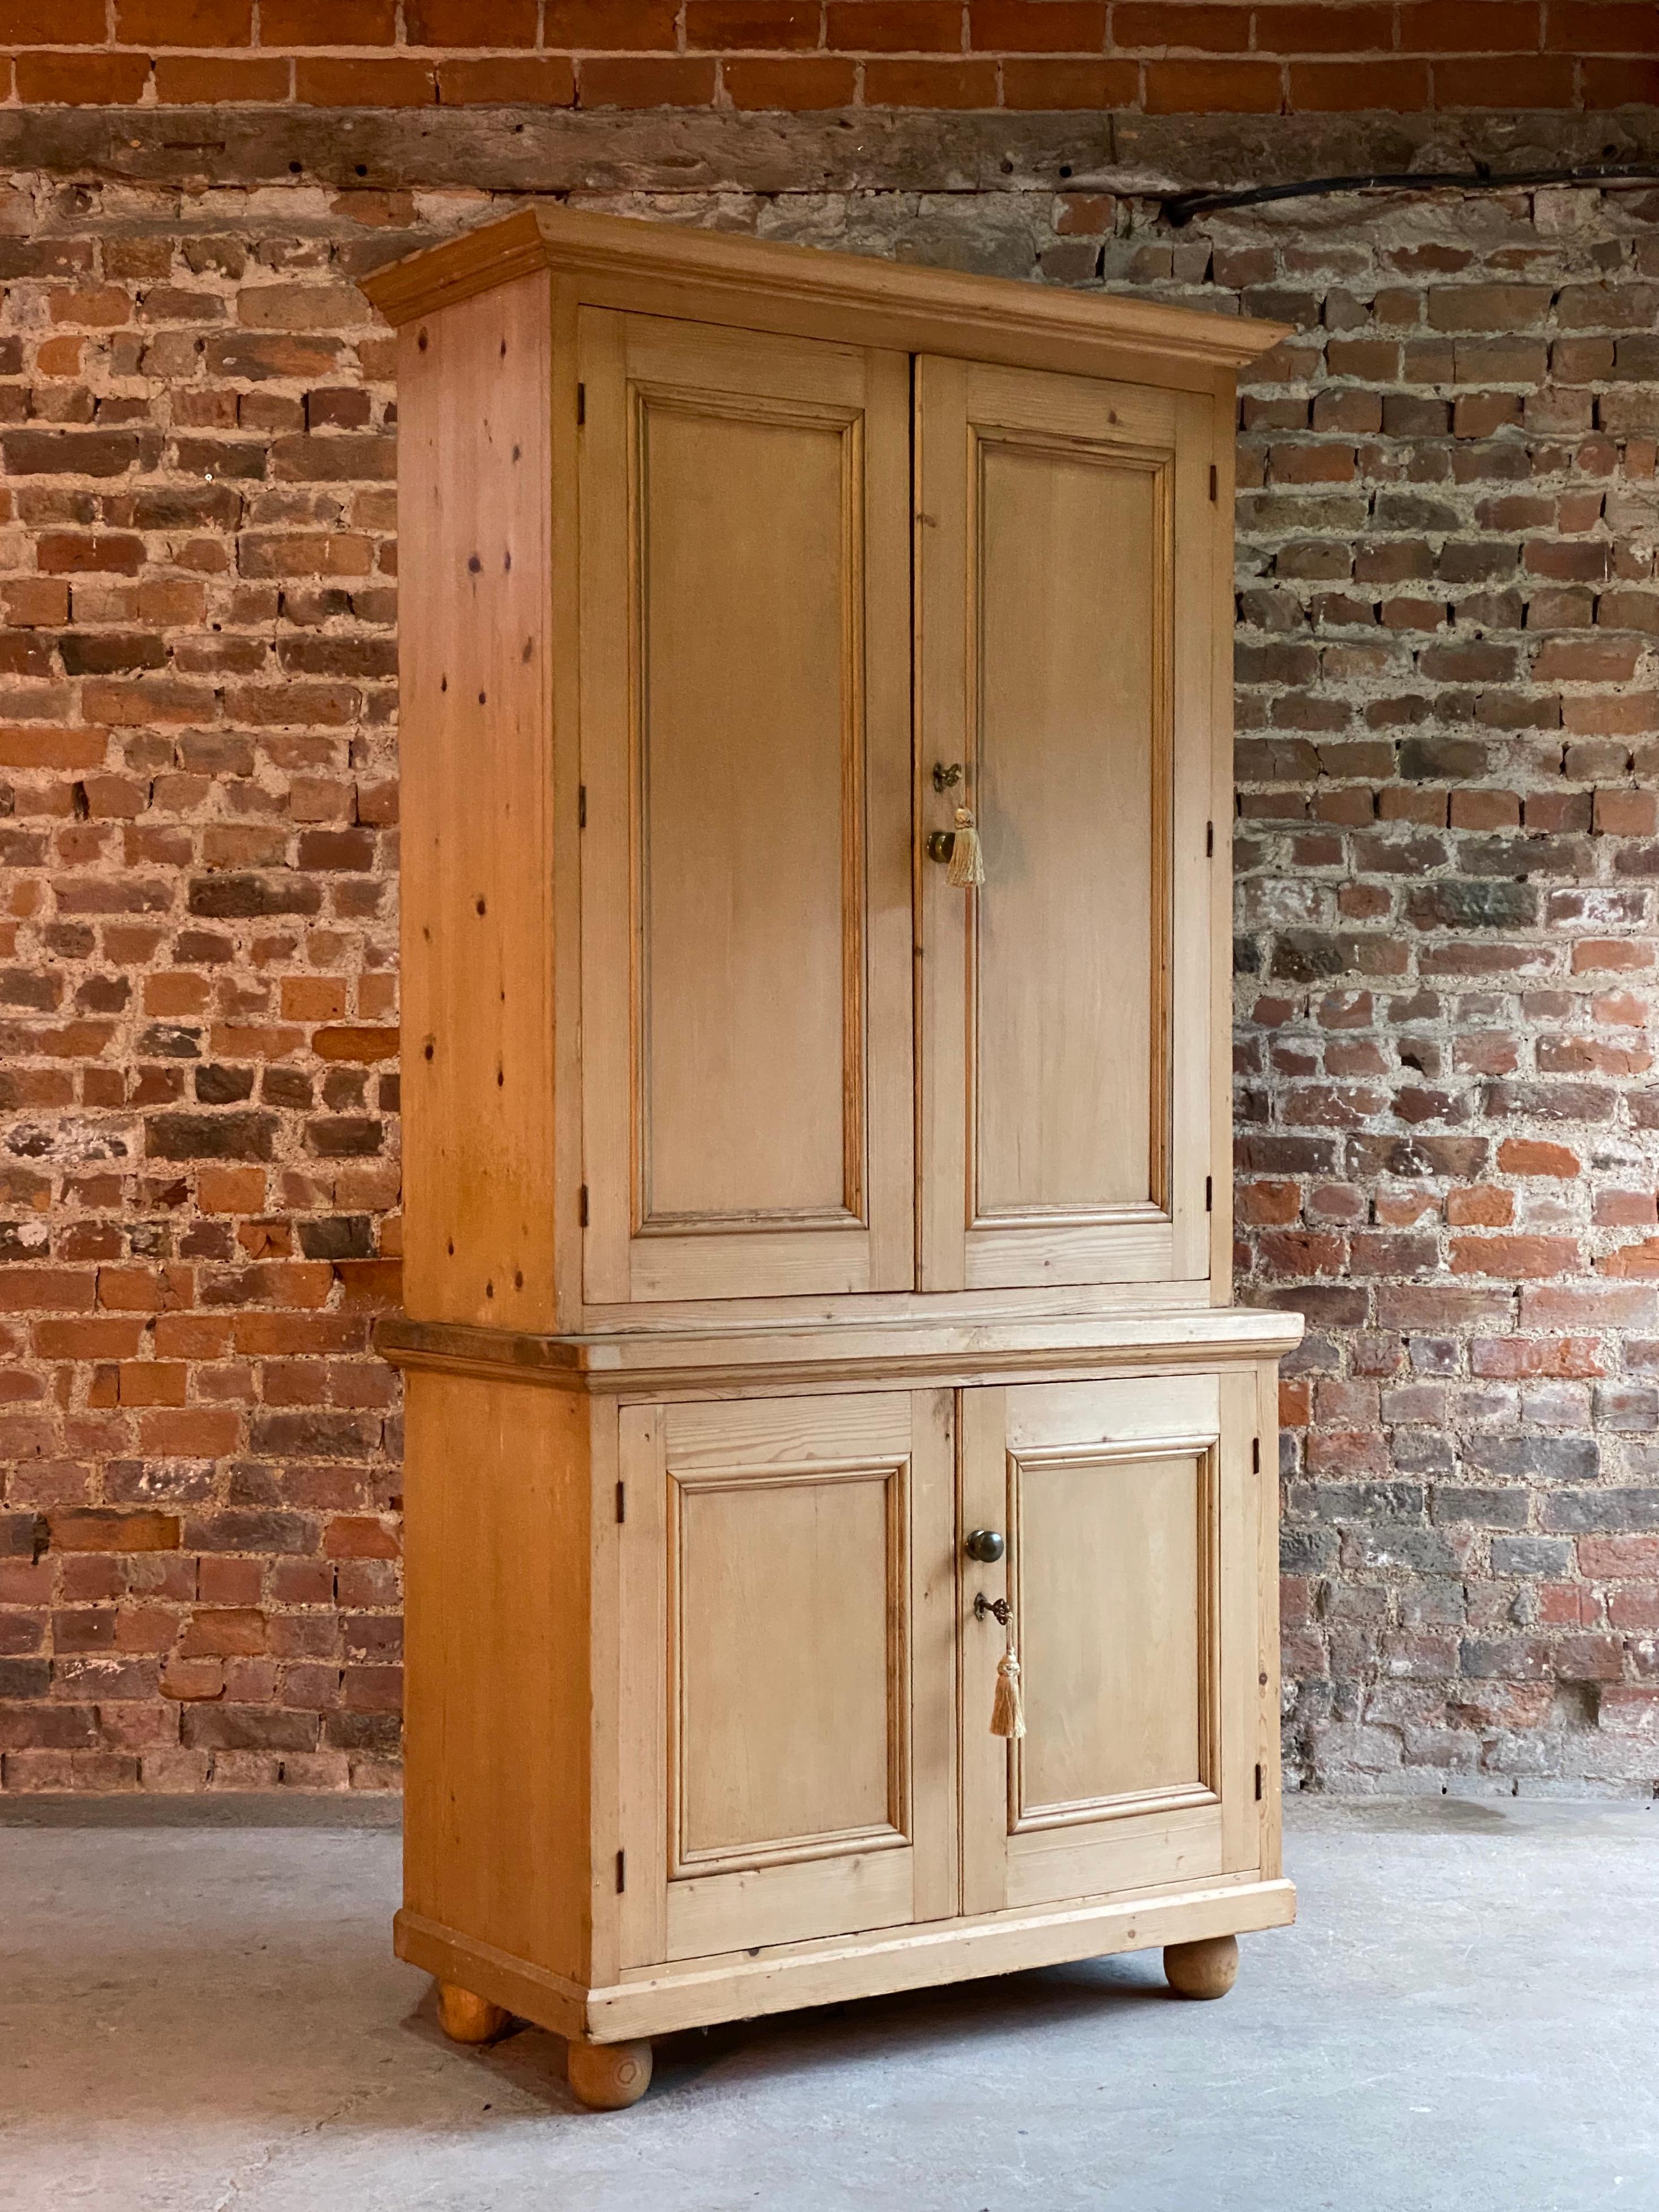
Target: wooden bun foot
(464, 2018)
(607, 2076)
(1205, 1969)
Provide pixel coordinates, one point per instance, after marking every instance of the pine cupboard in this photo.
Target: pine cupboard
(817, 781)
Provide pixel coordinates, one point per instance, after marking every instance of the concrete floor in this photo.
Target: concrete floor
(195, 2020)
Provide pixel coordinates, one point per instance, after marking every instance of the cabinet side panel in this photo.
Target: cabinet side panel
(474, 501)
(497, 1677)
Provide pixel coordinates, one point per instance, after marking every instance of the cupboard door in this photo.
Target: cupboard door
(746, 928)
(1066, 552)
(787, 1658)
(1131, 1514)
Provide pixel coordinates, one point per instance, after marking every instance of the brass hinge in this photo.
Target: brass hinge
(584, 1204)
(1209, 1193)
(622, 1862)
(1258, 1781)
(1212, 480)
(1256, 1455)
(581, 806)
(581, 417)
(622, 1503)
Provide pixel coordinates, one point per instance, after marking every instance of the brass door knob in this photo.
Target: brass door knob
(985, 1545)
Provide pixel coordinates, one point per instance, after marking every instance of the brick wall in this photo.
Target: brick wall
(1168, 57)
(1447, 853)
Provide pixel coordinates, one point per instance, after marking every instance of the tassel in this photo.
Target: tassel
(966, 866)
(1008, 1714)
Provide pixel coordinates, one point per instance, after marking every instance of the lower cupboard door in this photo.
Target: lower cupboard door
(1130, 1512)
(787, 1630)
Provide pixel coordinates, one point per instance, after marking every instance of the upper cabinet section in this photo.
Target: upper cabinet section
(730, 571)
(746, 750)
(1064, 692)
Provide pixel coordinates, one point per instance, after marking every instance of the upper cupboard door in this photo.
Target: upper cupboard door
(1066, 548)
(746, 930)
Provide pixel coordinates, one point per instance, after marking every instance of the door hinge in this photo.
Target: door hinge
(581, 806)
(1258, 1781)
(622, 1862)
(581, 417)
(1209, 841)
(622, 1503)
(1212, 480)
(1256, 1455)
(1209, 1193)
(584, 1206)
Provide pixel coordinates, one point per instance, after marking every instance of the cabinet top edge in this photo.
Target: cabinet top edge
(573, 243)
(631, 1361)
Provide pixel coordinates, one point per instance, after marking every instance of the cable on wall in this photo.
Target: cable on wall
(1181, 207)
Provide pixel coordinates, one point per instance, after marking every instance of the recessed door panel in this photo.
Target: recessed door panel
(1067, 988)
(1131, 1511)
(1116, 1624)
(1065, 696)
(782, 1749)
(788, 1647)
(745, 759)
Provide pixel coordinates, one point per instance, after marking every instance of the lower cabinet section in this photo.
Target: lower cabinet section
(808, 1655)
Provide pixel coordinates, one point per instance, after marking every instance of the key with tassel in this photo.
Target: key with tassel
(1007, 1709)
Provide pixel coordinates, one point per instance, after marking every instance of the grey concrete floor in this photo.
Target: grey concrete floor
(194, 2020)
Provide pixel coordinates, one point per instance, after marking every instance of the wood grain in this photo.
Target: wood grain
(496, 1667)
(713, 278)
(747, 1098)
(476, 780)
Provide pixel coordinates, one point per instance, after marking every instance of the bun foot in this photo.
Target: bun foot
(1207, 1968)
(464, 2018)
(608, 2076)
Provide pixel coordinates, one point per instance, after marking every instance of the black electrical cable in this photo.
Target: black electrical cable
(1182, 207)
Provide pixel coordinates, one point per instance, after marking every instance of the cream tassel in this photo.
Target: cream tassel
(1008, 1714)
(966, 866)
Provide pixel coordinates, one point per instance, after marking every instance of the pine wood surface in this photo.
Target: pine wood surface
(829, 1209)
(759, 285)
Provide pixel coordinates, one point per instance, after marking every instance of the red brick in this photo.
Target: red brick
(1474, 27)
(930, 84)
(1603, 26)
(1163, 24)
(184, 22)
(194, 80)
(463, 23)
(324, 82)
(684, 81)
(53, 22)
(1183, 88)
(820, 81)
(619, 25)
(327, 22)
(113, 1532)
(81, 80)
(894, 27)
(1534, 1156)
(1505, 81)
(1037, 26)
(547, 80)
(1515, 1258)
(764, 25)
(1315, 88)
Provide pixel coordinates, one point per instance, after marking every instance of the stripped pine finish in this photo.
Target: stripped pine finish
(817, 1319)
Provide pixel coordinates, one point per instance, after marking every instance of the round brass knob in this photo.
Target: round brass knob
(985, 1545)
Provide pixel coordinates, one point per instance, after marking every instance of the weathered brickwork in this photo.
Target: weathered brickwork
(1448, 855)
(1159, 57)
